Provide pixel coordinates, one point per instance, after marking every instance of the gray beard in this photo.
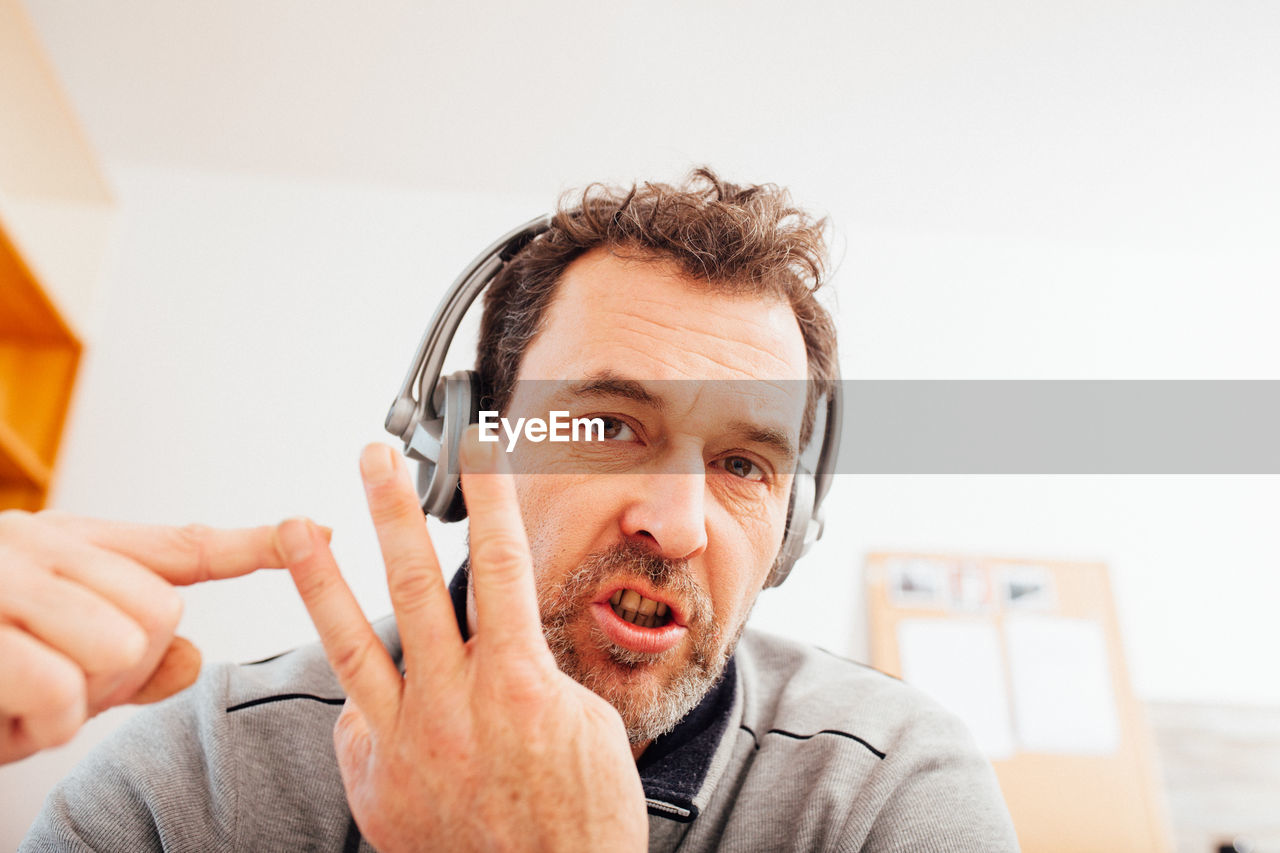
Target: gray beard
(648, 711)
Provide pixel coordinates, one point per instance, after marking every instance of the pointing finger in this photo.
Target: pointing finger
(182, 555)
(501, 566)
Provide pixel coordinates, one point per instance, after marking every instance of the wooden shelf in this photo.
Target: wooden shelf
(39, 355)
(20, 466)
(26, 311)
(54, 209)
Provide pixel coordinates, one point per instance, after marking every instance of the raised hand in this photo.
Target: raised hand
(88, 613)
(483, 744)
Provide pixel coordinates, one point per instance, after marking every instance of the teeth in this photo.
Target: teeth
(638, 610)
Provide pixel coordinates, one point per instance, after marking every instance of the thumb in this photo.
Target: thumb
(177, 670)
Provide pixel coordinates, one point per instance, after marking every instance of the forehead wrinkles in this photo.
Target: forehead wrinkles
(697, 352)
(745, 404)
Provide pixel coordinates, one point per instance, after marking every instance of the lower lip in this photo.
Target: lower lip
(644, 640)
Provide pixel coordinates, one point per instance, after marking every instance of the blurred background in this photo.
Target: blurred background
(246, 211)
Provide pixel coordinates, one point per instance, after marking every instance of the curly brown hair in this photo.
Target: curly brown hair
(738, 239)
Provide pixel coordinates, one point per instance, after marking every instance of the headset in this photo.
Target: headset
(432, 412)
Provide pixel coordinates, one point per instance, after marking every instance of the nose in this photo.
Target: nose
(666, 513)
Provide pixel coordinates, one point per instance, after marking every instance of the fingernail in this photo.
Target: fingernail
(326, 532)
(478, 457)
(377, 463)
(294, 537)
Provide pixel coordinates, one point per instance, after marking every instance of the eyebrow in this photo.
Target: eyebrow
(610, 384)
(779, 440)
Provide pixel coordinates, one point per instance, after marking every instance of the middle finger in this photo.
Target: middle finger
(100, 638)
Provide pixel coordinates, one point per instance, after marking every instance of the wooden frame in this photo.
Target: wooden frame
(1059, 802)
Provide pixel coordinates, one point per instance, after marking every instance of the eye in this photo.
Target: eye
(616, 429)
(742, 467)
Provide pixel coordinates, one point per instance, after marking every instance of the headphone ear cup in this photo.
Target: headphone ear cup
(800, 523)
(468, 401)
(457, 402)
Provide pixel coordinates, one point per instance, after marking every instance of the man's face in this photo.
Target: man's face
(682, 507)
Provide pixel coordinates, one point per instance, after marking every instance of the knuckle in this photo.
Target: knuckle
(525, 683)
(193, 540)
(390, 505)
(18, 572)
(277, 555)
(127, 648)
(59, 688)
(409, 586)
(157, 605)
(348, 718)
(53, 516)
(55, 729)
(501, 553)
(314, 585)
(173, 608)
(349, 729)
(163, 615)
(348, 662)
(14, 519)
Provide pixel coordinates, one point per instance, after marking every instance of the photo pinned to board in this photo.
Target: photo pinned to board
(919, 582)
(1028, 588)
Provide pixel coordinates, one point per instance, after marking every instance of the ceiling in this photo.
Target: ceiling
(1139, 123)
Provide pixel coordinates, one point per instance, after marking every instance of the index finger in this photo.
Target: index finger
(424, 614)
(183, 555)
(501, 565)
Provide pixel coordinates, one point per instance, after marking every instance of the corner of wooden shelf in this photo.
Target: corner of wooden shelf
(19, 464)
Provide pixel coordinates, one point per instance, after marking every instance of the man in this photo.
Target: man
(586, 683)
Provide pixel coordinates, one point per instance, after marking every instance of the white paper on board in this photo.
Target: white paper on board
(1061, 685)
(958, 662)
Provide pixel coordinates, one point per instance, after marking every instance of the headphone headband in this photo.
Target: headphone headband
(407, 412)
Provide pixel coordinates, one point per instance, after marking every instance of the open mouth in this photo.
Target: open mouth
(633, 607)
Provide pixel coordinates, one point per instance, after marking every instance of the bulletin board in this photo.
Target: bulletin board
(1028, 652)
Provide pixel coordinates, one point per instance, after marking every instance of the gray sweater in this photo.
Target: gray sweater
(796, 749)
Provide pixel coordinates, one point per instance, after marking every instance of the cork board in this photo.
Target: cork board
(1073, 779)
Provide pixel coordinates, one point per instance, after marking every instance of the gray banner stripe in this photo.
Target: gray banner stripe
(1060, 427)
